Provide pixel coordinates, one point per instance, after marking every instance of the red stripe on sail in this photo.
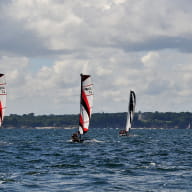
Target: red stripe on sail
(81, 121)
(85, 130)
(86, 103)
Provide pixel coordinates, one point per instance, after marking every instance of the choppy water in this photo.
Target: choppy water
(46, 160)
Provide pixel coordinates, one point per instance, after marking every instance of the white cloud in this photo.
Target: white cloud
(13, 67)
(119, 1)
(124, 24)
(150, 60)
(124, 44)
(57, 86)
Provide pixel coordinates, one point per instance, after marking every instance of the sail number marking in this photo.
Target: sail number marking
(89, 90)
(2, 90)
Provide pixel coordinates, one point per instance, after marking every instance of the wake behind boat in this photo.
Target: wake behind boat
(86, 104)
(130, 114)
(3, 96)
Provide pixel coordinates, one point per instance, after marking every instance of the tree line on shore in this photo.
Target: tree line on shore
(101, 120)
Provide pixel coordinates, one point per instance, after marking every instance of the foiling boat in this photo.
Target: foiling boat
(3, 96)
(130, 114)
(86, 105)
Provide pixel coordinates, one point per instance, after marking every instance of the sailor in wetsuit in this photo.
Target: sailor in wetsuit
(123, 133)
(75, 137)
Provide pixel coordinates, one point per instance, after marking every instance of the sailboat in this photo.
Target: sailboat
(130, 114)
(86, 105)
(3, 96)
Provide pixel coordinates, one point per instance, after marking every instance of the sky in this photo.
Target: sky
(143, 45)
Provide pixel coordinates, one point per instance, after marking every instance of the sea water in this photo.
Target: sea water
(46, 160)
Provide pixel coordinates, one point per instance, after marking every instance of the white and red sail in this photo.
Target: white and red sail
(3, 95)
(131, 110)
(86, 103)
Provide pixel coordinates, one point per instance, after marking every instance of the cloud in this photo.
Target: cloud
(123, 44)
(51, 26)
(56, 88)
(150, 60)
(13, 66)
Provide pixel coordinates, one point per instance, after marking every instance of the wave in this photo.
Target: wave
(94, 141)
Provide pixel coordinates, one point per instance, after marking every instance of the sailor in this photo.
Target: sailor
(123, 133)
(75, 137)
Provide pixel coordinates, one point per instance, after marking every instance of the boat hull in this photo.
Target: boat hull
(123, 133)
(77, 140)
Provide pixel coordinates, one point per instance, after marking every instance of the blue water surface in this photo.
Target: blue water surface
(46, 160)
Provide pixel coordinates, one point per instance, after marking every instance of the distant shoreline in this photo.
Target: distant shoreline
(101, 120)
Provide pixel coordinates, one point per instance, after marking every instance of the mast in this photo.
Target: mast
(3, 95)
(80, 121)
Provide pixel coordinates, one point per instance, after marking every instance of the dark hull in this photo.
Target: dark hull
(123, 133)
(77, 140)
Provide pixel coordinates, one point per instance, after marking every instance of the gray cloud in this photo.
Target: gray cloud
(143, 45)
(183, 44)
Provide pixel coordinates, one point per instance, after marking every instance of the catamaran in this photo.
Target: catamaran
(130, 114)
(86, 105)
(3, 95)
